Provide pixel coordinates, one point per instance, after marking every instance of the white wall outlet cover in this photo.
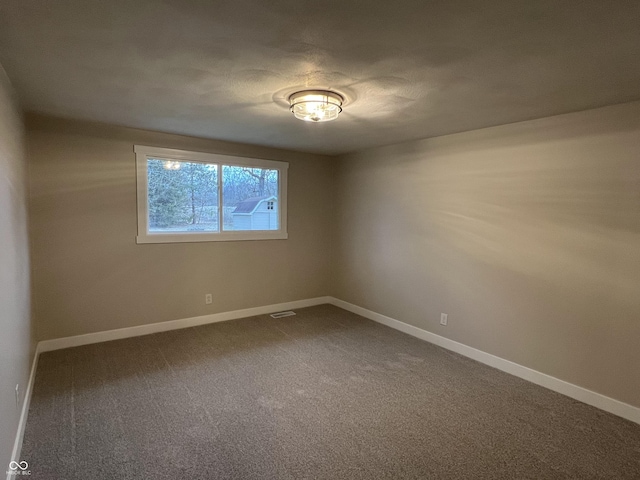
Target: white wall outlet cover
(443, 318)
(208, 299)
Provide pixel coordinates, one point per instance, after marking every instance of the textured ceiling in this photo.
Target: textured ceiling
(409, 69)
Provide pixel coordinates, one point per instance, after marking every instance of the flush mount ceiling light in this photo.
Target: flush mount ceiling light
(316, 105)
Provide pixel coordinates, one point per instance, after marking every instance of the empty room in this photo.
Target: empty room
(320, 240)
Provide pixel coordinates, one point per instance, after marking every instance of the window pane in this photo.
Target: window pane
(182, 196)
(249, 198)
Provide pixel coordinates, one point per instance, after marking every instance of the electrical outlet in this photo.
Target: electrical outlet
(18, 395)
(208, 299)
(443, 318)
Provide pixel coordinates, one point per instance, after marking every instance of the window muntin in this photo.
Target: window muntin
(183, 197)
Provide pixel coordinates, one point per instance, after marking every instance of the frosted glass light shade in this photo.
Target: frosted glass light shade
(316, 105)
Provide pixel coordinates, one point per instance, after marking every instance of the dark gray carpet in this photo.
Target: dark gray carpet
(322, 395)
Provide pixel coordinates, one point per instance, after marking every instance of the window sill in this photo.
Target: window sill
(213, 237)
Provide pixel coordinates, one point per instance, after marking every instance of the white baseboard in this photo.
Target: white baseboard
(105, 336)
(22, 423)
(589, 397)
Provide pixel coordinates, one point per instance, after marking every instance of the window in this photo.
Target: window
(199, 197)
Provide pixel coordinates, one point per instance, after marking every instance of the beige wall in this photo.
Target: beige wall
(16, 343)
(90, 275)
(527, 235)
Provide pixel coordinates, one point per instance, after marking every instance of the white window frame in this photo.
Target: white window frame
(143, 153)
